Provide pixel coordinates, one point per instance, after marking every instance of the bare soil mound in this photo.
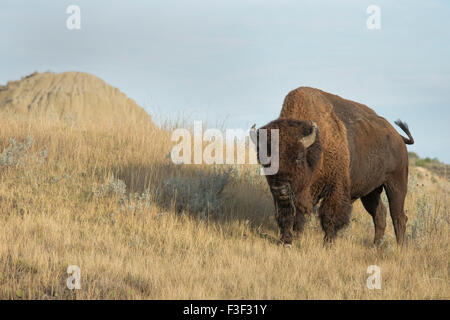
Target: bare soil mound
(72, 96)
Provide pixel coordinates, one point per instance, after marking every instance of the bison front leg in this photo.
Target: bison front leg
(284, 211)
(299, 223)
(284, 215)
(334, 214)
(303, 207)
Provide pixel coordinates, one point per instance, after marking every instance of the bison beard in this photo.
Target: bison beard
(285, 210)
(337, 151)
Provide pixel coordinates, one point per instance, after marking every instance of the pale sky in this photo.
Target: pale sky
(234, 61)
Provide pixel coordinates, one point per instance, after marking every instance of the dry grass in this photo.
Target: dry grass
(50, 218)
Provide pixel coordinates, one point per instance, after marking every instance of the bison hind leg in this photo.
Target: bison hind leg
(374, 206)
(396, 193)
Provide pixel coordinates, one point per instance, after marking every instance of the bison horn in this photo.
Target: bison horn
(309, 139)
(253, 134)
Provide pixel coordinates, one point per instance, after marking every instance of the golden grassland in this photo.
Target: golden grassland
(52, 215)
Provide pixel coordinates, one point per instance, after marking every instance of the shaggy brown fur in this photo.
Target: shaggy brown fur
(356, 154)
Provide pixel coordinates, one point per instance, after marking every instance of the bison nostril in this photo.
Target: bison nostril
(281, 191)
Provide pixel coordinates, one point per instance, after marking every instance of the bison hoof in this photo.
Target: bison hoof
(378, 243)
(328, 242)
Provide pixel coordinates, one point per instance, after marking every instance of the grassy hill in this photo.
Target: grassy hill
(433, 165)
(108, 199)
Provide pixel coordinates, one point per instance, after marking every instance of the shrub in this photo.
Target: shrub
(423, 162)
(200, 194)
(16, 153)
(426, 223)
(113, 187)
(413, 155)
(418, 228)
(136, 202)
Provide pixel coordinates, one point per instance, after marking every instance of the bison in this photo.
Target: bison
(336, 151)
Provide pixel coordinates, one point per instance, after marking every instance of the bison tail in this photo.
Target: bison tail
(405, 128)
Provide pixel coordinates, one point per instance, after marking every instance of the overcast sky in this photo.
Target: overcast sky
(234, 61)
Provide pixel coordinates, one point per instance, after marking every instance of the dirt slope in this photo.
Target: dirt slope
(70, 96)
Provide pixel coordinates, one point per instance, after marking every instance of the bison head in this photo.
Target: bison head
(299, 152)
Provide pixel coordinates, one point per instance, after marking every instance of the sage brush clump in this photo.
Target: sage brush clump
(135, 202)
(113, 187)
(200, 194)
(16, 153)
(426, 223)
(418, 225)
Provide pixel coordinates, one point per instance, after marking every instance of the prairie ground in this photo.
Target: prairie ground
(109, 200)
